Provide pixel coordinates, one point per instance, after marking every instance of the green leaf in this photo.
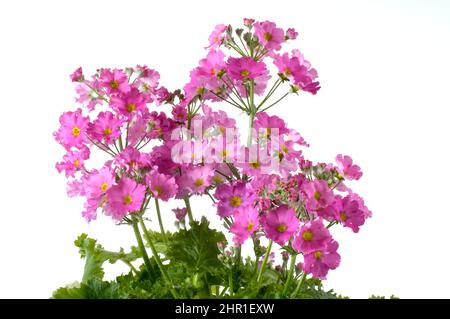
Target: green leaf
(197, 247)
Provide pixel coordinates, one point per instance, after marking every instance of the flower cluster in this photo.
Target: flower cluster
(261, 188)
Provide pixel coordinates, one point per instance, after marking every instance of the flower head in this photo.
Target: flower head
(346, 167)
(114, 81)
(180, 213)
(217, 36)
(280, 224)
(106, 128)
(162, 186)
(313, 236)
(233, 196)
(125, 197)
(246, 222)
(72, 132)
(319, 262)
(318, 194)
(245, 68)
(269, 35)
(77, 75)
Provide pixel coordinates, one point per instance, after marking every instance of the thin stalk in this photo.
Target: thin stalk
(161, 226)
(141, 246)
(265, 109)
(158, 260)
(297, 289)
(291, 272)
(266, 258)
(189, 209)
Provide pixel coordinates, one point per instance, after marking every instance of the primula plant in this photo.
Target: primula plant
(179, 146)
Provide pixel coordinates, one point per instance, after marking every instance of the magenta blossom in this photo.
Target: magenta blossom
(73, 161)
(77, 75)
(162, 186)
(291, 34)
(348, 213)
(180, 213)
(313, 236)
(115, 81)
(129, 104)
(280, 224)
(217, 36)
(195, 180)
(125, 197)
(246, 222)
(106, 128)
(318, 194)
(346, 167)
(245, 68)
(99, 182)
(233, 196)
(319, 262)
(72, 132)
(269, 35)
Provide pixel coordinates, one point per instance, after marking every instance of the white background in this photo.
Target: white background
(384, 69)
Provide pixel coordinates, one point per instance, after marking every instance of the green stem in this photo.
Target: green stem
(141, 246)
(297, 289)
(265, 109)
(230, 282)
(157, 259)
(189, 209)
(161, 226)
(291, 272)
(266, 258)
(250, 129)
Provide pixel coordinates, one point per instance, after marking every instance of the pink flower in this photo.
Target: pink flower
(348, 213)
(313, 236)
(291, 34)
(213, 65)
(318, 194)
(346, 168)
(246, 222)
(73, 161)
(180, 213)
(106, 128)
(129, 104)
(195, 180)
(77, 75)
(232, 196)
(179, 113)
(245, 68)
(280, 224)
(87, 97)
(269, 35)
(249, 22)
(72, 130)
(125, 197)
(319, 262)
(162, 186)
(115, 81)
(99, 182)
(304, 79)
(129, 158)
(217, 36)
(362, 206)
(266, 124)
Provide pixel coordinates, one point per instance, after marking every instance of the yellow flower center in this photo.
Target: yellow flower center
(281, 228)
(307, 235)
(217, 179)
(104, 186)
(317, 195)
(318, 254)
(76, 163)
(159, 189)
(250, 226)
(200, 91)
(267, 36)
(76, 131)
(235, 201)
(199, 182)
(343, 216)
(285, 149)
(107, 131)
(287, 72)
(213, 71)
(127, 200)
(114, 84)
(131, 107)
(245, 73)
(255, 165)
